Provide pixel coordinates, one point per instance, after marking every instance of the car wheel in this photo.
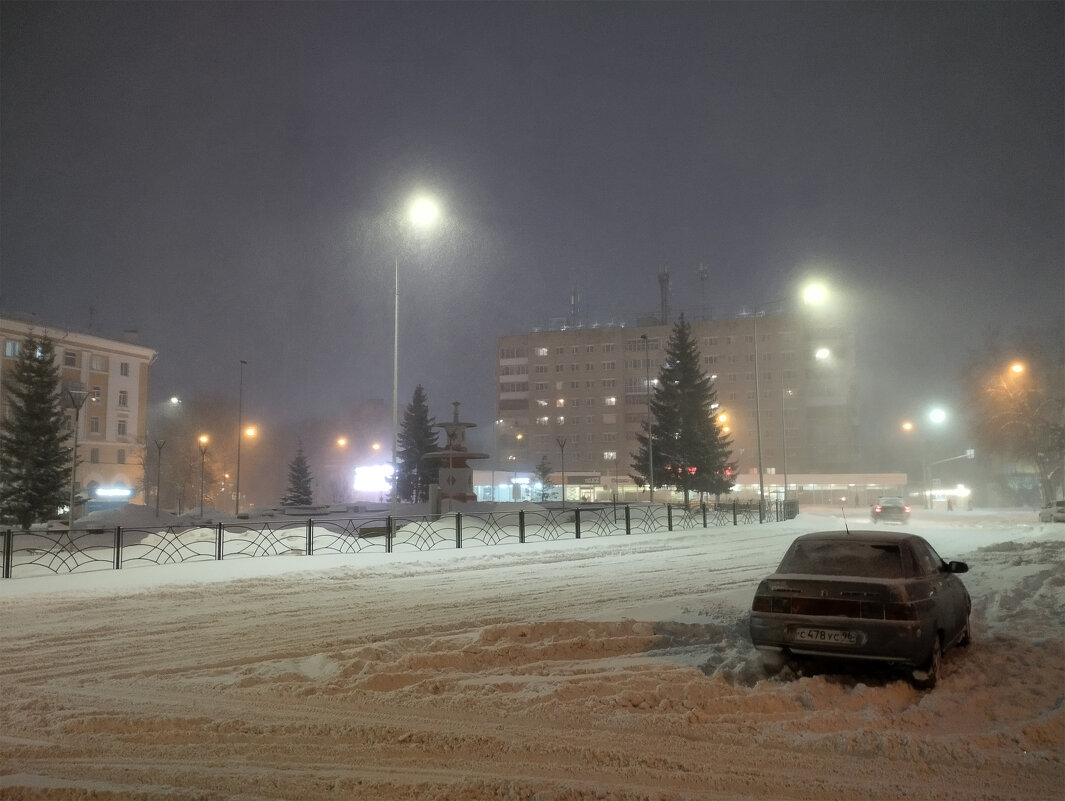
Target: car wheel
(924, 678)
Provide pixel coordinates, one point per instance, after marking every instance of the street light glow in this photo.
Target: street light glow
(814, 294)
(937, 415)
(1017, 368)
(424, 211)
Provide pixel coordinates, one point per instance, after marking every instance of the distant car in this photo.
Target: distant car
(1053, 513)
(866, 596)
(890, 509)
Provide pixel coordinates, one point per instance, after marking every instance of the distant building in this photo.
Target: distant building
(589, 385)
(113, 422)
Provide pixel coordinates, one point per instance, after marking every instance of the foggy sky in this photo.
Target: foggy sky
(225, 178)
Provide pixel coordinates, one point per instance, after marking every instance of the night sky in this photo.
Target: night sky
(227, 179)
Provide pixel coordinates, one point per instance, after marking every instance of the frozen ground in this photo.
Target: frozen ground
(611, 668)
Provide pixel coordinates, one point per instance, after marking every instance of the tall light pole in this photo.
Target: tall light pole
(203, 458)
(650, 433)
(77, 394)
(240, 433)
(784, 439)
(159, 443)
(562, 448)
(422, 212)
(758, 424)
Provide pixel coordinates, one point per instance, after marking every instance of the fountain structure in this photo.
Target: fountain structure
(455, 475)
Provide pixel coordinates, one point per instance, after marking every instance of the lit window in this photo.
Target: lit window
(611, 401)
(610, 456)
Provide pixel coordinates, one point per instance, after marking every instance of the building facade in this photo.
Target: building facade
(112, 423)
(579, 395)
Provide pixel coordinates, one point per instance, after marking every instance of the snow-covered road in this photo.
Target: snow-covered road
(613, 668)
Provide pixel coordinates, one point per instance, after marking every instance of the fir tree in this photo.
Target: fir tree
(35, 459)
(690, 453)
(299, 482)
(543, 475)
(417, 437)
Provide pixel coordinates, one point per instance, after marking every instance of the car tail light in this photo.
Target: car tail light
(906, 509)
(899, 612)
(878, 508)
(769, 603)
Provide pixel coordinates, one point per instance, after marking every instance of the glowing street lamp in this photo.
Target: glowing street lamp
(240, 425)
(422, 212)
(203, 439)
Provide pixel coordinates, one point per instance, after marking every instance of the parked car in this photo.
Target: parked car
(1053, 513)
(870, 596)
(890, 509)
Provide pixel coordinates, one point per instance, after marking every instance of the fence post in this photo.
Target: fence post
(310, 537)
(669, 517)
(577, 522)
(218, 553)
(390, 532)
(458, 529)
(118, 547)
(735, 522)
(9, 538)
(628, 520)
(521, 526)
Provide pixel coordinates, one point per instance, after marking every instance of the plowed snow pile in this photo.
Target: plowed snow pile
(610, 668)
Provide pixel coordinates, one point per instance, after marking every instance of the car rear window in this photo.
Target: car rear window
(841, 558)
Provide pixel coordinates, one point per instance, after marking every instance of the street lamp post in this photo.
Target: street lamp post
(203, 458)
(240, 427)
(650, 432)
(422, 212)
(784, 440)
(77, 395)
(758, 425)
(159, 443)
(562, 448)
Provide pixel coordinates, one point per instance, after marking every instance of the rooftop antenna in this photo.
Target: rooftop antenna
(846, 528)
(663, 288)
(704, 273)
(575, 320)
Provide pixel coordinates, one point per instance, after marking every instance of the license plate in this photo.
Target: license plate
(825, 636)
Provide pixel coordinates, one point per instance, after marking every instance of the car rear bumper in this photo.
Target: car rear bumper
(901, 642)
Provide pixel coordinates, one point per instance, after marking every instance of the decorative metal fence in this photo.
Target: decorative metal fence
(36, 553)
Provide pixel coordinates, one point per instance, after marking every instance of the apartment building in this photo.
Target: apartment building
(587, 387)
(112, 423)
